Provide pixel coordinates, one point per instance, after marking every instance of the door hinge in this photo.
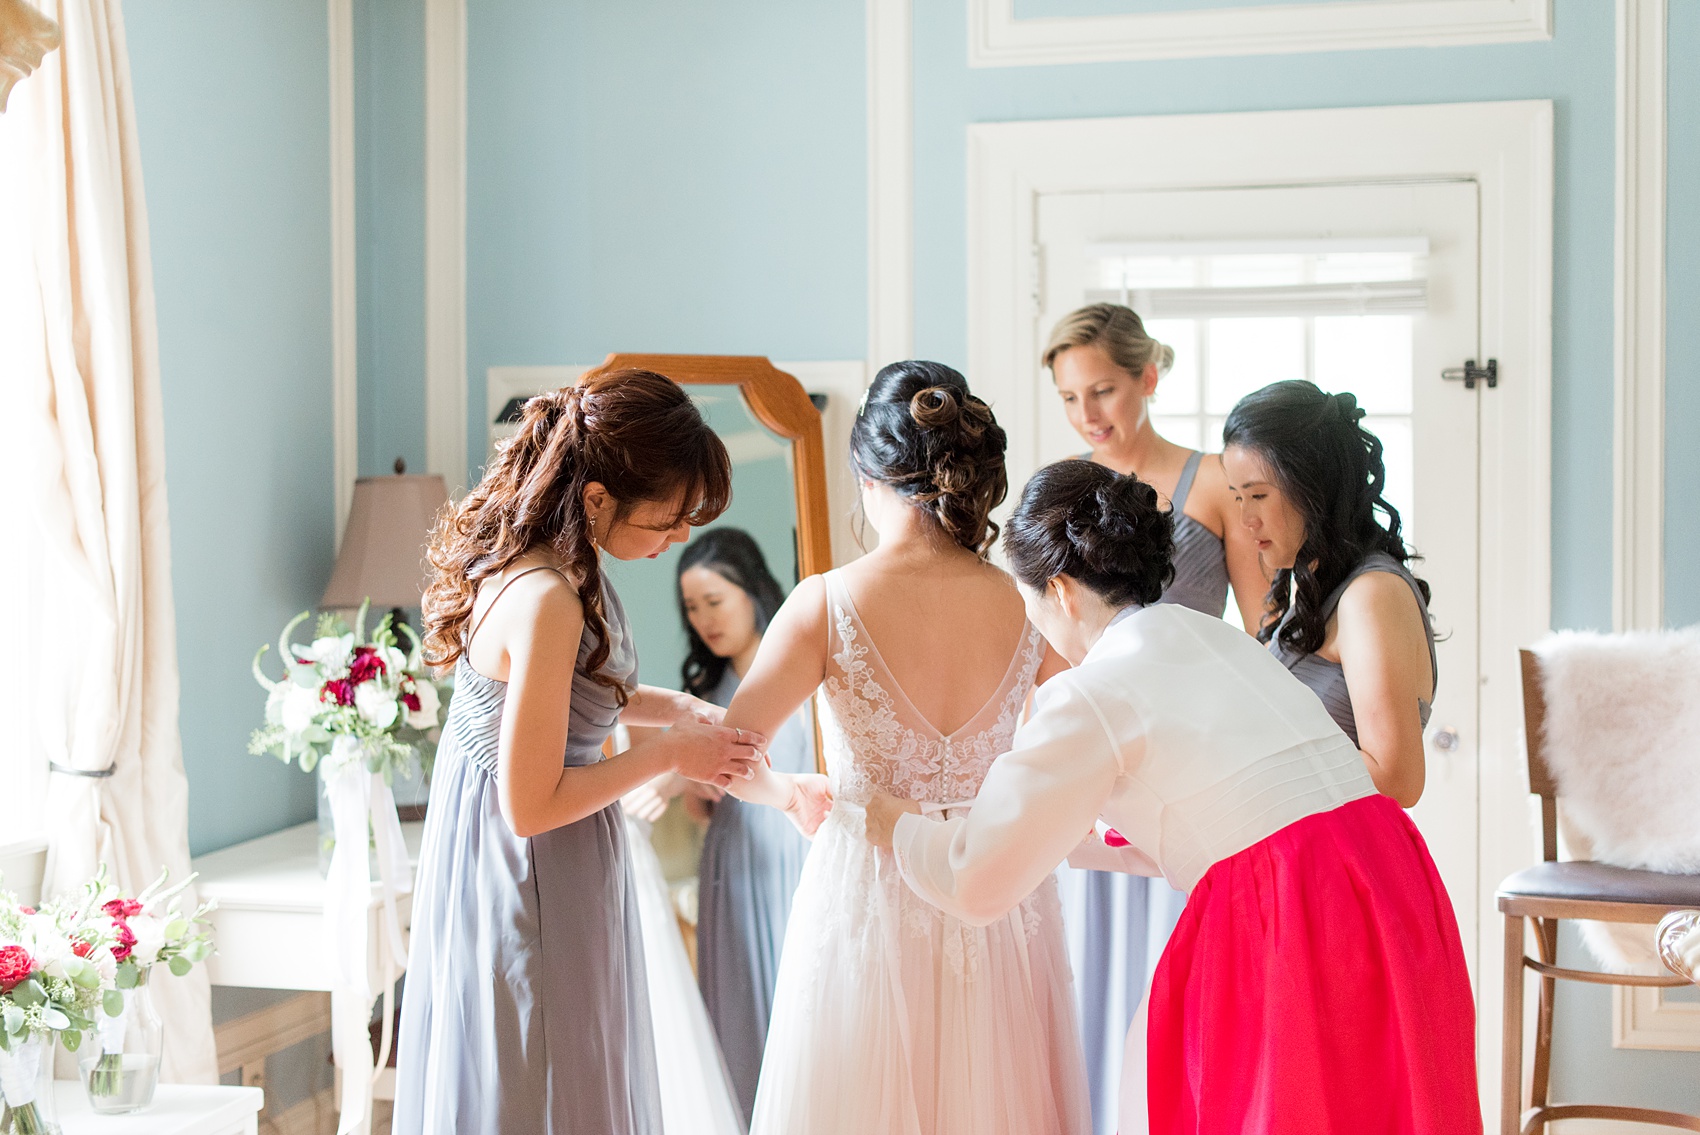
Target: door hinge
(1036, 278)
(1470, 374)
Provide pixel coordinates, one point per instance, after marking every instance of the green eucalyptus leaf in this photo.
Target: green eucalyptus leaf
(180, 965)
(29, 994)
(113, 1002)
(72, 1039)
(176, 928)
(12, 1020)
(54, 1019)
(128, 974)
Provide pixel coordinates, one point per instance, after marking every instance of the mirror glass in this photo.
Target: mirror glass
(764, 504)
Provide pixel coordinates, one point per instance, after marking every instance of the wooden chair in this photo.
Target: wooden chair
(1552, 891)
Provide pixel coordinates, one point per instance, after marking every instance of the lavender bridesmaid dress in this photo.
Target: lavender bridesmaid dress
(526, 1006)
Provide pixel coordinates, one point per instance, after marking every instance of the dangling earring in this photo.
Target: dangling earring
(593, 531)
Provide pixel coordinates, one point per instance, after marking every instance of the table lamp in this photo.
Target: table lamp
(382, 558)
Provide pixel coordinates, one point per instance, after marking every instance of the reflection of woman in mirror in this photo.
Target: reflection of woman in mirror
(526, 1008)
(889, 1015)
(752, 855)
(1106, 370)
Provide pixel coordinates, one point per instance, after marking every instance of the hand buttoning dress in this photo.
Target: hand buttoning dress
(526, 1007)
(751, 861)
(1315, 984)
(1118, 924)
(890, 1016)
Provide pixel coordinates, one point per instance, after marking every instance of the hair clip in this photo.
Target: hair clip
(862, 406)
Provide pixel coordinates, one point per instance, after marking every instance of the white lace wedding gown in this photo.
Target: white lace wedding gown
(891, 1016)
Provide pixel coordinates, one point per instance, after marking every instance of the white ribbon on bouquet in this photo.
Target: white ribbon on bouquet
(357, 797)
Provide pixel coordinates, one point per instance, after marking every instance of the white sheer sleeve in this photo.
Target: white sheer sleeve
(1037, 803)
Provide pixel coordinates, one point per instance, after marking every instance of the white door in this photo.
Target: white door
(1367, 288)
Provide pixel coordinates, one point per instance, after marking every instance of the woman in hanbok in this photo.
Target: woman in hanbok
(891, 1016)
(1315, 984)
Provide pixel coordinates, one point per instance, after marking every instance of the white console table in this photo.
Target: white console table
(178, 1109)
(270, 923)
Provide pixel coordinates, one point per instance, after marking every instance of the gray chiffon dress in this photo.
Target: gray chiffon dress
(752, 858)
(1118, 924)
(1327, 678)
(526, 1007)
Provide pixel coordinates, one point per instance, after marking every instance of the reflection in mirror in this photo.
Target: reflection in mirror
(697, 615)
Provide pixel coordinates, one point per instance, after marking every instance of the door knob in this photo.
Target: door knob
(1446, 740)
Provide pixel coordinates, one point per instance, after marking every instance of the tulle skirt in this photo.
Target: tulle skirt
(1314, 985)
(893, 1017)
(696, 1091)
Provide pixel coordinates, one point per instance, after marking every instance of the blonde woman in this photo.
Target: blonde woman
(1106, 370)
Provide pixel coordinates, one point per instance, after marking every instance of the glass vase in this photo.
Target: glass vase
(119, 1058)
(26, 1087)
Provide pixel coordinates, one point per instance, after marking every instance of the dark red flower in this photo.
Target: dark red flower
(15, 965)
(410, 700)
(366, 665)
(126, 940)
(81, 948)
(26, 910)
(123, 908)
(1113, 838)
(337, 691)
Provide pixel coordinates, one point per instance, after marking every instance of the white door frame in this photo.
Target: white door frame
(1506, 147)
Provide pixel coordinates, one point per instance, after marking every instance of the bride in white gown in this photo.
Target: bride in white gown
(891, 1016)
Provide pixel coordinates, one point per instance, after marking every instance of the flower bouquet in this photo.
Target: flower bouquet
(120, 1066)
(347, 702)
(53, 980)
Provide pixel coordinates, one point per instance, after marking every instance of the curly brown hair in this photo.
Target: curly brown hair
(635, 432)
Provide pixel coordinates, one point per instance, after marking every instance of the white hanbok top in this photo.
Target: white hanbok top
(1182, 732)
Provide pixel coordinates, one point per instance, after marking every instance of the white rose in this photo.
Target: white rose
(425, 717)
(299, 706)
(375, 704)
(332, 653)
(150, 938)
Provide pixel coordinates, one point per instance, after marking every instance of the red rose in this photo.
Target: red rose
(366, 665)
(410, 700)
(15, 965)
(26, 910)
(126, 940)
(123, 908)
(337, 691)
(81, 948)
(1113, 838)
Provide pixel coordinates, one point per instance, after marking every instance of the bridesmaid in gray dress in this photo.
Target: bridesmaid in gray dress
(753, 856)
(1345, 614)
(526, 1007)
(1106, 370)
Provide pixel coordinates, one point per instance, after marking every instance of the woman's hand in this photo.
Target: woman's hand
(707, 712)
(811, 800)
(712, 754)
(882, 817)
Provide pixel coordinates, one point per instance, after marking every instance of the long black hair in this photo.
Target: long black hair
(733, 555)
(1094, 525)
(1332, 470)
(921, 431)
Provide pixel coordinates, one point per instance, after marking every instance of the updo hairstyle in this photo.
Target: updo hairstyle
(1115, 328)
(923, 433)
(1096, 526)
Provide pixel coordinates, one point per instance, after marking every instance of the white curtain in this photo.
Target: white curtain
(79, 355)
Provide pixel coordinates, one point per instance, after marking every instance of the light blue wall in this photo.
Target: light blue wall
(1682, 340)
(665, 177)
(232, 110)
(389, 133)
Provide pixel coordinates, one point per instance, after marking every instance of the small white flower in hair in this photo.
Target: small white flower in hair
(862, 406)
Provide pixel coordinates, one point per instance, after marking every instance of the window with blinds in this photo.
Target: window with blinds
(1240, 316)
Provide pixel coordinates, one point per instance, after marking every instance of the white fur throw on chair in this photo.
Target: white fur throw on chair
(1623, 743)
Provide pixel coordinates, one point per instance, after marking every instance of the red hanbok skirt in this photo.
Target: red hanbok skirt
(1316, 985)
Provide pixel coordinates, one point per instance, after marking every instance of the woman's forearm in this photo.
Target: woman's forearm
(584, 790)
(654, 706)
(766, 787)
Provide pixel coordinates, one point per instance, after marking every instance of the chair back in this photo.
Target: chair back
(1541, 781)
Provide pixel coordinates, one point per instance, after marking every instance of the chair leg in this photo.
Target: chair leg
(1546, 937)
(1511, 1042)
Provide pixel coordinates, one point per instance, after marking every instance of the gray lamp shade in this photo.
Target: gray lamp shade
(382, 557)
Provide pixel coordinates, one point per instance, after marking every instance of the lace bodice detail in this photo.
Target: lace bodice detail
(876, 740)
